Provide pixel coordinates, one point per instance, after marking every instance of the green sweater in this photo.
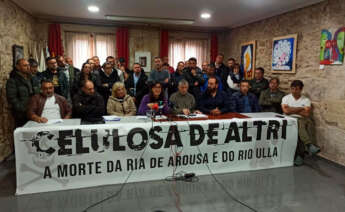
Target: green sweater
(271, 101)
(180, 102)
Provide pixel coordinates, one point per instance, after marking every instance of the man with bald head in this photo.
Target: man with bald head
(69, 61)
(88, 105)
(19, 89)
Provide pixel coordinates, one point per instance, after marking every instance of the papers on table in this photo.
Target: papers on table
(111, 118)
(54, 121)
(160, 117)
(192, 116)
(50, 122)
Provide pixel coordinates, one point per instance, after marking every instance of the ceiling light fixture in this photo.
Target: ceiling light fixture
(150, 20)
(93, 9)
(205, 15)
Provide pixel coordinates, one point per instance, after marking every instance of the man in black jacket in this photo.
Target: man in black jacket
(222, 71)
(193, 75)
(58, 78)
(108, 77)
(136, 84)
(88, 105)
(19, 89)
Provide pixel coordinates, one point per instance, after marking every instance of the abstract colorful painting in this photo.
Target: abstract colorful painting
(332, 49)
(284, 54)
(248, 59)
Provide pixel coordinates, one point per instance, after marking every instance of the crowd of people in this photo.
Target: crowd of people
(63, 91)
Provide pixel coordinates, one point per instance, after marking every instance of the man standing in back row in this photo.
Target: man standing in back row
(58, 78)
(136, 84)
(259, 83)
(19, 89)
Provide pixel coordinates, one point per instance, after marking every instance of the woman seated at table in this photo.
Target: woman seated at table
(120, 103)
(155, 100)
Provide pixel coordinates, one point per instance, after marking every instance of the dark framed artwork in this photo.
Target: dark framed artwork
(18, 53)
(284, 54)
(143, 61)
(248, 51)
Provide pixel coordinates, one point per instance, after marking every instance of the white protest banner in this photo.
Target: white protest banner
(66, 157)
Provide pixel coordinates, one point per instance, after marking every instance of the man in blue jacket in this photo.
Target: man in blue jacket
(245, 101)
(215, 102)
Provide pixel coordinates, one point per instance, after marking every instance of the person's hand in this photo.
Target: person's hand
(166, 80)
(186, 111)
(150, 105)
(197, 112)
(193, 71)
(134, 99)
(215, 112)
(196, 84)
(122, 68)
(42, 120)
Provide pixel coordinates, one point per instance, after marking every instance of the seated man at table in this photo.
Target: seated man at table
(181, 101)
(47, 105)
(215, 102)
(271, 98)
(299, 106)
(245, 101)
(88, 105)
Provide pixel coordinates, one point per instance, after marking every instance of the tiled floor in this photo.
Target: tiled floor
(316, 186)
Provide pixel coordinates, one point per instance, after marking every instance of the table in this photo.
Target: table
(210, 117)
(69, 155)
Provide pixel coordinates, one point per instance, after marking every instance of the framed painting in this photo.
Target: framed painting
(332, 49)
(284, 54)
(248, 59)
(144, 59)
(18, 53)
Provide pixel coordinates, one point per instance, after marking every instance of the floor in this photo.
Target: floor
(317, 186)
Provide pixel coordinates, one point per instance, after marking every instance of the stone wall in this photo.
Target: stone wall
(326, 88)
(16, 27)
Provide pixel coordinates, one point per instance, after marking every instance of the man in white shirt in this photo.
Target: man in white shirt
(47, 105)
(299, 106)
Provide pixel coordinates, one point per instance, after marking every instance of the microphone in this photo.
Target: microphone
(155, 107)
